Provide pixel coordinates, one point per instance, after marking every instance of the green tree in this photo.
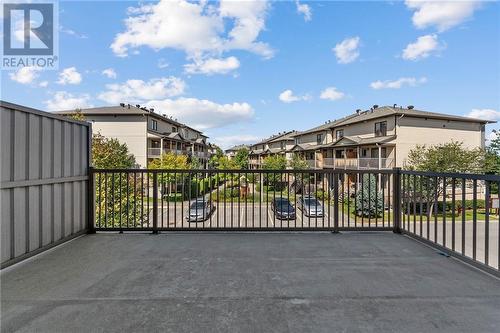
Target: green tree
(194, 163)
(118, 195)
(241, 158)
(214, 159)
(369, 201)
(447, 157)
(298, 162)
(274, 162)
(450, 157)
(492, 157)
(109, 153)
(169, 181)
(77, 115)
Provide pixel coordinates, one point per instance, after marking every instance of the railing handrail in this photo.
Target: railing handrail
(242, 171)
(467, 176)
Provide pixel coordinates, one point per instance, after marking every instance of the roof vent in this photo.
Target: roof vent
(394, 105)
(375, 106)
(138, 106)
(128, 106)
(151, 109)
(122, 105)
(410, 107)
(358, 111)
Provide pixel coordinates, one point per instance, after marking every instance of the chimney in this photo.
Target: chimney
(410, 107)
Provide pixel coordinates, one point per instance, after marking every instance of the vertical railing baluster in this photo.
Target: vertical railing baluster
(155, 202)
(453, 208)
(463, 215)
(487, 222)
(444, 212)
(474, 219)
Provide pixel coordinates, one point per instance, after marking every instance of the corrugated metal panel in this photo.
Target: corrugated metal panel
(43, 172)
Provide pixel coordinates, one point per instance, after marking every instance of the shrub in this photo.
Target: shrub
(369, 202)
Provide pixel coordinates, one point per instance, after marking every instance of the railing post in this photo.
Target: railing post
(335, 203)
(90, 202)
(155, 202)
(396, 200)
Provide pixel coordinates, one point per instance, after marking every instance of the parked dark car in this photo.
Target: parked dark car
(200, 210)
(283, 209)
(310, 206)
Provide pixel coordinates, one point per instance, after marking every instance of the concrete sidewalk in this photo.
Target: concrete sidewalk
(252, 282)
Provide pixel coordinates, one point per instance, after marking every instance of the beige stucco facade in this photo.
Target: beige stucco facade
(131, 130)
(379, 138)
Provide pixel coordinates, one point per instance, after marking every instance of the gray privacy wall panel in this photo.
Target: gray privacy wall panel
(44, 178)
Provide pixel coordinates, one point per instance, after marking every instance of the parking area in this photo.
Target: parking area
(240, 215)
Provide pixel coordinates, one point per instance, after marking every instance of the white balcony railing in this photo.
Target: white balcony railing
(354, 163)
(311, 164)
(156, 152)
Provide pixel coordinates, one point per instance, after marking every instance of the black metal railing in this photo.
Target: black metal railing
(458, 213)
(158, 200)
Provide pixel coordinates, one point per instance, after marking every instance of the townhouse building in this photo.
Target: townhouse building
(378, 138)
(146, 133)
(231, 152)
(280, 144)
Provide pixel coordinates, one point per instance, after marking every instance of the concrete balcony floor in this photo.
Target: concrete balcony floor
(243, 282)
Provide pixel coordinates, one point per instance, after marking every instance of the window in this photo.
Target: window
(154, 125)
(296, 141)
(174, 129)
(339, 154)
(282, 145)
(381, 128)
(339, 134)
(319, 139)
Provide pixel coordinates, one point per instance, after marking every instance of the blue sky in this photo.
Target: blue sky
(243, 71)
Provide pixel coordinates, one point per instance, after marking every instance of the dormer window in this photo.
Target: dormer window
(154, 125)
(381, 128)
(319, 139)
(339, 134)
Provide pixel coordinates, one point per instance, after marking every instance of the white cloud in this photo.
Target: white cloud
(212, 66)
(304, 10)
(25, 75)
(399, 83)
(43, 84)
(139, 90)
(441, 14)
(422, 48)
(162, 63)
(485, 114)
(203, 114)
(69, 76)
(110, 73)
(63, 100)
(287, 96)
(347, 51)
(232, 140)
(72, 32)
(332, 94)
(196, 28)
